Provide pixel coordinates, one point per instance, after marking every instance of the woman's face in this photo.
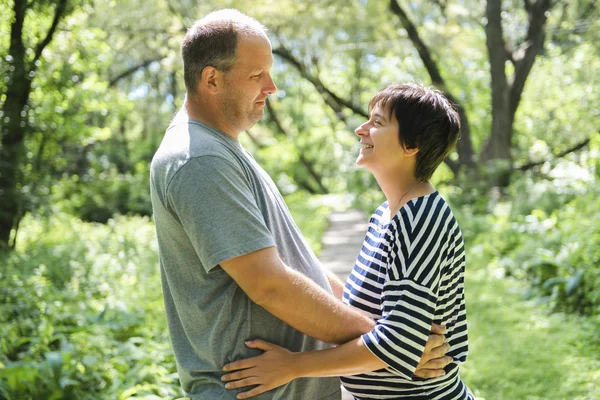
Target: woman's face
(381, 149)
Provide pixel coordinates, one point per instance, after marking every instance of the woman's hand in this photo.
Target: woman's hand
(273, 368)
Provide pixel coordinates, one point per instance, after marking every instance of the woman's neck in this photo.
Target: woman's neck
(399, 190)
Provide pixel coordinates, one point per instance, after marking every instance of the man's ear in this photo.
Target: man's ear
(211, 80)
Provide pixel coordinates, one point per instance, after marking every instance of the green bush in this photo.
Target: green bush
(544, 233)
(82, 314)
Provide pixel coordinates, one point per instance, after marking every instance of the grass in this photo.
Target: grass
(518, 351)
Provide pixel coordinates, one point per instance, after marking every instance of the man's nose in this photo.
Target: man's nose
(270, 87)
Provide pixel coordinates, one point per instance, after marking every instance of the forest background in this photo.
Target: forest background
(89, 87)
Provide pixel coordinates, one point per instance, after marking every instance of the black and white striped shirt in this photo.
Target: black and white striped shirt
(408, 275)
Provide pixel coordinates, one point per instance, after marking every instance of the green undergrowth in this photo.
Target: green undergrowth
(518, 350)
(81, 313)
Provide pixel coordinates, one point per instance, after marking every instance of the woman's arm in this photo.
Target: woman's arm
(278, 366)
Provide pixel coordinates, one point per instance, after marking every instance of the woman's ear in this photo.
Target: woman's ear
(409, 152)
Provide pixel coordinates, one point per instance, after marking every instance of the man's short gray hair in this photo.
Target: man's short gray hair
(212, 41)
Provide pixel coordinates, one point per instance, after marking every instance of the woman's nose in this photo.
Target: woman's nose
(362, 129)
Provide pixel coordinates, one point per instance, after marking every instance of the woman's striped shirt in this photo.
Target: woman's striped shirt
(408, 275)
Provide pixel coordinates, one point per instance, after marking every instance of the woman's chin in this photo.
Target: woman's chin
(361, 162)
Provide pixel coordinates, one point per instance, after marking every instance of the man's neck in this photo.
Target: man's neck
(207, 114)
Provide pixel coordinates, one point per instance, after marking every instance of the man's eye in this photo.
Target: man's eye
(376, 122)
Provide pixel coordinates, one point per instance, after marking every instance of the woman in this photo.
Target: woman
(409, 273)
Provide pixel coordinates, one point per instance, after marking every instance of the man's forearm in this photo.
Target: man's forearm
(307, 307)
(294, 298)
(337, 286)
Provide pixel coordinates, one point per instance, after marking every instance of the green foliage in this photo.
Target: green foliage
(543, 232)
(82, 314)
(519, 351)
(311, 216)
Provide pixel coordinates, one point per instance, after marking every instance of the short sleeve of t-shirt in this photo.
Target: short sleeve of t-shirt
(214, 201)
(410, 297)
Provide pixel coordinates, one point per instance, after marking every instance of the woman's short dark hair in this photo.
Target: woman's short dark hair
(427, 121)
(212, 41)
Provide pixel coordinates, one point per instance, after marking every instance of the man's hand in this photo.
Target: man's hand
(273, 368)
(433, 360)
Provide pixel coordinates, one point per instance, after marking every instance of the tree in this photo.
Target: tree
(507, 81)
(507, 90)
(22, 62)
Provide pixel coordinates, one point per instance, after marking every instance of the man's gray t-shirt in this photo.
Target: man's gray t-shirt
(213, 202)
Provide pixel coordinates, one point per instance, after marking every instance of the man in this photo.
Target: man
(234, 266)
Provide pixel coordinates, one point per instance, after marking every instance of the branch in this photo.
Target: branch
(510, 54)
(60, 11)
(131, 70)
(16, 32)
(588, 11)
(330, 98)
(308, 165)
(443, 5)
(496, 45)
(534, 42)
(578, 146)
(254, 140)
(275, 119)
(453, 165)
(422, 49)
(177, 15)
(464, 146)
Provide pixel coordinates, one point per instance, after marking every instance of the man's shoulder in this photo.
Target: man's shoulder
(187, 140)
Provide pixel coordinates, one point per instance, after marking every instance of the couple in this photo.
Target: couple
(235, 267)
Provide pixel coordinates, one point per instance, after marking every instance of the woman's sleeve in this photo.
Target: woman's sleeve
(399, 338)
(410, 295)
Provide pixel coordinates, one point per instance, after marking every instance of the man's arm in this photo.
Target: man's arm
(301, 303)
(337, 286)
(294, 298)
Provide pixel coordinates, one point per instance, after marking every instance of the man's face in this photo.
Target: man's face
(248, 83)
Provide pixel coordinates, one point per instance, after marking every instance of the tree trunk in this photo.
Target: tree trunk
(497, 147)
(13, 126)
(507, 91)
(13, 123)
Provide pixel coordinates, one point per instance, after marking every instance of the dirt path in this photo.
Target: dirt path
(341, 244)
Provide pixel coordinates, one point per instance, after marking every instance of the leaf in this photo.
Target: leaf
(55, 360)
(89, 361)
(4, 389)
(574, 283)
(66, 382)
(554, 281)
